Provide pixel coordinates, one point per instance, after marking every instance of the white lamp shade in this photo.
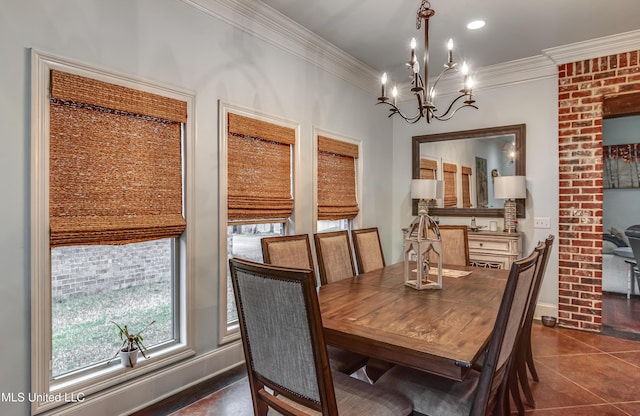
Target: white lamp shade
(509, 187)
(424, 188)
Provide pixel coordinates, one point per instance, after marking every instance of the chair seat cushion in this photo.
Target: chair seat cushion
(345, 361)
(432, 395)
(357, 398)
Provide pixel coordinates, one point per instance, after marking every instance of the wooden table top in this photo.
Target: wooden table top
(438, 331)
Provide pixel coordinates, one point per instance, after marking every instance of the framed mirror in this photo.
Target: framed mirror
(466, 162)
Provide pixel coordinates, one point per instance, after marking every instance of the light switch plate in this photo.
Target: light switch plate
(541, 222)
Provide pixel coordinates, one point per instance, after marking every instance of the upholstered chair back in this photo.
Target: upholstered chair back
(288, 251)
(455, 245)
(279, 327)
(335, 258)
(368, 249)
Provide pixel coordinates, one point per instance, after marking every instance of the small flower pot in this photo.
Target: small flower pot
(129, 358)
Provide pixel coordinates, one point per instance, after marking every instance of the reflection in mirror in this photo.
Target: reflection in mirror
(465, 162)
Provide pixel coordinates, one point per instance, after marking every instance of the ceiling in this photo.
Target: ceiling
(377, 32)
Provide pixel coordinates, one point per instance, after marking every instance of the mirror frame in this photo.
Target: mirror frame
(518, 130)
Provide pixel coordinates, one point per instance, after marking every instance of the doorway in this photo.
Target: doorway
(620, 210)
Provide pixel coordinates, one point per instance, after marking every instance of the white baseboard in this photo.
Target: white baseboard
(545, 309)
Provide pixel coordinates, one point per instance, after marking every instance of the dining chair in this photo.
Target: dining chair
(295, 251)
(335, 259)
(524, 354)
(288, 251)
(455, 245)
(484, 392)
(285, 351)
(368, 249)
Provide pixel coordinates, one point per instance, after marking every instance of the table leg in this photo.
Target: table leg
(629, 280)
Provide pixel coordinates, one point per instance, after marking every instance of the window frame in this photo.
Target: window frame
(229, 332)
(355, 222)
(96, 382)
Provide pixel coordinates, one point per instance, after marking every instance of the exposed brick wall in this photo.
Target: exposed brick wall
(581, 88)
(82, 270)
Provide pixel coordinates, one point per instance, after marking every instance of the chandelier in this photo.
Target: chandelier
(424, 93)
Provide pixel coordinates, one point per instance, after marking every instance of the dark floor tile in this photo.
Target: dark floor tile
(555, 341)
(632, 358)
(603, 342)
(601, 374)
(632, 408)
(555, 390)
(597, 410)
(619, 313)
(234, 400)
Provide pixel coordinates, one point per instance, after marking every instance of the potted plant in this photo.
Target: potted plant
(131, 344)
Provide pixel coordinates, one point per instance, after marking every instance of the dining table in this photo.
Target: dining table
(439, 331)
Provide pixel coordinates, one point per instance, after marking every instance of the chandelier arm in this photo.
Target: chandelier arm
(444, 71)
(395, 110)
(444, 117)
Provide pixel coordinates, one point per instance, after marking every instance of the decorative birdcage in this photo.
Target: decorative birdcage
(420, 239)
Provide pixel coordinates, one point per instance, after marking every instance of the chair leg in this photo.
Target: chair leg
(530, 362)
(521, 370)
(514, 389)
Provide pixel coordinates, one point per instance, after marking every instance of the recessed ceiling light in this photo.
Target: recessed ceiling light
(476, 24)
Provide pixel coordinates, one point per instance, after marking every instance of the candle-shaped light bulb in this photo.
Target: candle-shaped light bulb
(465, 68)
(384, 81)
(469, 84)
(394, 94)
(413, 50)
(450, 49)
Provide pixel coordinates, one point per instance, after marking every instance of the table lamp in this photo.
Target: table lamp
(509, 188)
(424, 190)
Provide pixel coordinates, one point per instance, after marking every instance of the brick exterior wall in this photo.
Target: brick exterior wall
(581, 88)
(81, 270)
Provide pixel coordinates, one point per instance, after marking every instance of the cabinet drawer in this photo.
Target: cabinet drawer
(493, 245)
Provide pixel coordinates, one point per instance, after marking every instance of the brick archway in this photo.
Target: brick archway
(581, 88)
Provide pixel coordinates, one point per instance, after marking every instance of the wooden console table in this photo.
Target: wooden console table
(494, 249)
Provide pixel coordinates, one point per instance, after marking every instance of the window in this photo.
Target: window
(449, 171)
(108, 234)
(325, 226)
(428, 168)
(337, 183)
(92, 285)
(257, 189)
(466, 187)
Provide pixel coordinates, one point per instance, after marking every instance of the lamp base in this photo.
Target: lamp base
(510, 216)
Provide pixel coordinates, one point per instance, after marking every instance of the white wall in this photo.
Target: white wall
(170, 42)
(533, 103)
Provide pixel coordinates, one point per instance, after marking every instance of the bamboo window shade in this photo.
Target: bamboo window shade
(336, 179)
(115, 163)
(428, 168)
(259, 169)
(466, 187)
(449, 171)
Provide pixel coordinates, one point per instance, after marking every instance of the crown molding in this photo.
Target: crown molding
(595, 48)
(263, 22)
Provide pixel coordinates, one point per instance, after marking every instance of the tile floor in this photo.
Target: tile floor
(580, 373)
